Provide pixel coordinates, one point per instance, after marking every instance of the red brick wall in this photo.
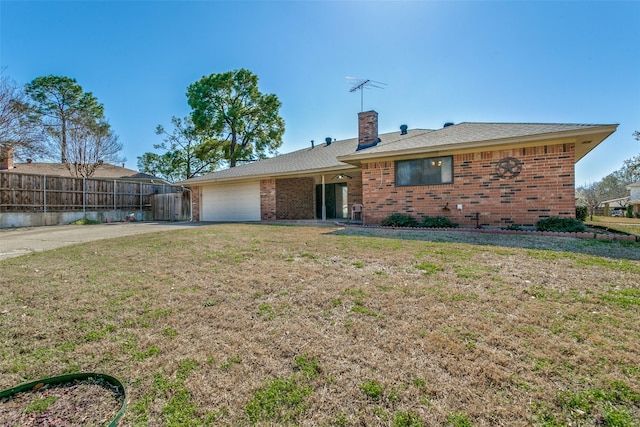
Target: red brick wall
(267, 199)
(195, 202)
(544, 187)
(367, 128)
(295, 198)
(354, 189)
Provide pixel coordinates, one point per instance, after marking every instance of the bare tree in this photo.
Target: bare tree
(89, 146)
(591, 195)
(16, 130)
(632, 166)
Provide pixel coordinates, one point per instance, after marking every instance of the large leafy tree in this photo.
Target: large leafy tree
(187, 153)
(16, 130)
(61, 106)
(229, 108)
(613, 186)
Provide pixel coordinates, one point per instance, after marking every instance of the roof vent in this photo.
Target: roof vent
(312, 143)
(328, 140)
(446, 125)
(403, 129)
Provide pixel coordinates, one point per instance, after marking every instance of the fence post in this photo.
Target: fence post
(84, 197)
(115, 192)
(44, 195)
(140, 190)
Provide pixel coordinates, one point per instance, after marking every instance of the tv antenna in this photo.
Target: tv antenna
(361, 84)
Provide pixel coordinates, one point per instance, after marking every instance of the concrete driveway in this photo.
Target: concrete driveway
(20, 241)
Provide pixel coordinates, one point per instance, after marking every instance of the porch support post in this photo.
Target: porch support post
(324, 206)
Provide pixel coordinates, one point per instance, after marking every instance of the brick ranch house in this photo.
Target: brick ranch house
(487, 174)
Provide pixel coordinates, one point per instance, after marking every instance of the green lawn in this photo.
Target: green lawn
(625, 225)
(229, 325)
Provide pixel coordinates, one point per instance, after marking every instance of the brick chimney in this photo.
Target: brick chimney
(367, 129)
(6, 158)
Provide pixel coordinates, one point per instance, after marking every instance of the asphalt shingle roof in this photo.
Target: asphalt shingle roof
(336, 155)
(319, 158)
(469, 132)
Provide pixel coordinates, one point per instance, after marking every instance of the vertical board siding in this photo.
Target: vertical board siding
(40, 193)
(170, 206)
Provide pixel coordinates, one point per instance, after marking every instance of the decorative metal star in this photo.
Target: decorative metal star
(509, 167)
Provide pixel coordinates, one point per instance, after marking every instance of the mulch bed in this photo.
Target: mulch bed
(89, 402)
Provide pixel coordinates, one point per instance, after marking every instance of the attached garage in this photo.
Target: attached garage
(231, 202)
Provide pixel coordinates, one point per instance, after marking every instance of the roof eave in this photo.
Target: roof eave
(306, 172)
(357, 158)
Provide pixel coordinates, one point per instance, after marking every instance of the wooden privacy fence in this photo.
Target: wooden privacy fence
(46, 193)
(170, 206)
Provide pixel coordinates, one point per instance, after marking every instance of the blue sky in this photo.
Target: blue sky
(509, 61)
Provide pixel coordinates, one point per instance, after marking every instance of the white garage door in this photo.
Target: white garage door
(231, 202)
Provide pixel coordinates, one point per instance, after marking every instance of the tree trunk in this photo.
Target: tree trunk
(63, 142)
(232, 150)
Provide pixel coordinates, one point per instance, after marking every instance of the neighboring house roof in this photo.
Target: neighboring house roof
(343, 155)
(613, 203)
(619, 199)
(104, 171)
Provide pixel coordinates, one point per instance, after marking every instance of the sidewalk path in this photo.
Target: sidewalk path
(20, 241)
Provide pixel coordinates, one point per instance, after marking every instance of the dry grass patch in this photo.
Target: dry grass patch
(273, 325)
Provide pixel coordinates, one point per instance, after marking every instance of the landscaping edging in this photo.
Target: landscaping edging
(34, 386)
(580, 235)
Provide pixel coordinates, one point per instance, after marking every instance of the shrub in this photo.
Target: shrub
(582, 212)
(630, 211)
(399, 220)
(437, 222)
(566, 225)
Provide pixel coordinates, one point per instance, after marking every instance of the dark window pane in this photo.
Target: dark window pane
(431, 171)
